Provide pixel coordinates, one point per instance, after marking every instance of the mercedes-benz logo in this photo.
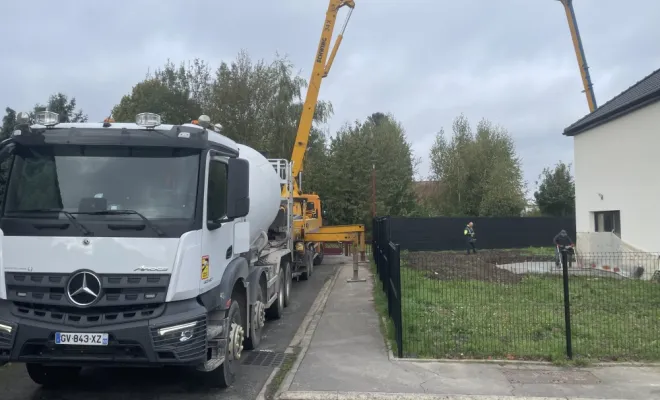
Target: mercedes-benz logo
(84, 288)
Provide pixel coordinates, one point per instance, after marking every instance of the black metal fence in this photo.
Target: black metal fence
(444, 233)
(387, 256)
(521, 304)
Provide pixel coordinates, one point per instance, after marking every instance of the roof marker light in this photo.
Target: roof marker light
(47, 118)
(204, 121)
(22, 118)
(148, 120)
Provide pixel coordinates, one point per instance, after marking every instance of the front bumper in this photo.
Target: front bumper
(136, 343)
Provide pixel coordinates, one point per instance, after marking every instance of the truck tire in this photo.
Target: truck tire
(225, 374)
(51, 377)
(319, 258)
(309, 270)
(288, 277)
(254, 340)
(277, 308)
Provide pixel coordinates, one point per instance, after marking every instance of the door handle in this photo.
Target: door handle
(229, 253)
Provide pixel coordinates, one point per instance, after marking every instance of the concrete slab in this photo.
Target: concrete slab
(346, 358)
(548, 267)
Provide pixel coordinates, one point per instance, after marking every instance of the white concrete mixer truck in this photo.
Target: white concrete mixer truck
(139, 244)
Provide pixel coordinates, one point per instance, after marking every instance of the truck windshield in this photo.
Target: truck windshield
(156, 182)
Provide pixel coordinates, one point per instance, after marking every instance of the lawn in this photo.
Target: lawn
(453, 308)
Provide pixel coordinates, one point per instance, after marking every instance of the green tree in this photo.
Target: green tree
(178, 94)
(8, 123)
(556, 191)
(152, 95)
(65, 107)
(379, 141)
(257, 103)
(481, 174)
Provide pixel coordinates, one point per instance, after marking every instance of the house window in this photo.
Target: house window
(608, 221)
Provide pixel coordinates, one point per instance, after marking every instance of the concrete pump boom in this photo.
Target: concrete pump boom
(579, 53)
(320, 70)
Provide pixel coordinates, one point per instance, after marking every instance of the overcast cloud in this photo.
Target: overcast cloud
(426, 61)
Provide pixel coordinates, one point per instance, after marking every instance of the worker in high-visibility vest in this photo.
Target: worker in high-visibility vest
(468, 233)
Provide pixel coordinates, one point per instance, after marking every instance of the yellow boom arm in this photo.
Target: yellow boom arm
(579, 53)
(319, 71)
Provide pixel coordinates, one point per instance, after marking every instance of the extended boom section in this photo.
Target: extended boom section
(310, 234)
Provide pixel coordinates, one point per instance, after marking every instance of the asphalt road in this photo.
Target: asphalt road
(175, 383)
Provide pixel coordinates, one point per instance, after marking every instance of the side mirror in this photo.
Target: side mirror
(213, 225)
(238, 188)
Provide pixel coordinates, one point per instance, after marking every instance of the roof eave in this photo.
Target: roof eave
(611, 116)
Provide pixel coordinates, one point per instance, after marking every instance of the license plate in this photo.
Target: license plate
(82, 339)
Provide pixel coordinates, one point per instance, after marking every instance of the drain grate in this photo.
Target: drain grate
(266, 358)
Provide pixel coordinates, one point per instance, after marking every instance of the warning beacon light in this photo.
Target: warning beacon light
(46, 118)
(23, 118)
(148, 120)
(204, 121)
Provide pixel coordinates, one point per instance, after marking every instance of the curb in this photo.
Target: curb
(313, 315)
(405, 396)
(392, 358)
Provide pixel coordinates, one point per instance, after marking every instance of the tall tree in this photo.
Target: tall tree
(152, 95)
(8, 122)
(258, 103)
(65, 107)
(556, 192)
(481, 174)
(379, 141)
(178, 94)
(58, 102)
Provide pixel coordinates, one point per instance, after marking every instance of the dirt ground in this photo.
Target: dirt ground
(458, 265)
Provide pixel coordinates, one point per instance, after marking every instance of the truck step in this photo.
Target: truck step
(211, 364)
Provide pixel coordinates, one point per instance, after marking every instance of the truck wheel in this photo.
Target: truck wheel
(287, 283)
(309, 270)
(276, 309)
(319, 259)
(226, 373)
(48, 376)
(257, 320)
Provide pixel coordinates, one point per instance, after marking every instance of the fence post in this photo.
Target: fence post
(395, 283)
(567, 305)
(385, 251)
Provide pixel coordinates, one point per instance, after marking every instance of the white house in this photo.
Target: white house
(617, 171)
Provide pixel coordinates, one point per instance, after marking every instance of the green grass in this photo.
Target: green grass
(612, 320)
(380, 302)
(533, 251)
(278, 379)
(524, 251)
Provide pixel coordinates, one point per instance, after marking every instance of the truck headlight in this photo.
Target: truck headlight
(6, 328)
(176, 328)
(300, 247)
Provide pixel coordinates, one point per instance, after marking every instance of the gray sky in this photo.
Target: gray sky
(426, 61)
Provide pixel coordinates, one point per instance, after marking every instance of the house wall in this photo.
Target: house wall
(621, 161)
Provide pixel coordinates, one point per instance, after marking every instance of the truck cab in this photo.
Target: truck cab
(130, 244)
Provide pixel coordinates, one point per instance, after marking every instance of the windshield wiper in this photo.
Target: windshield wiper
(126, 212)
(74, 221)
